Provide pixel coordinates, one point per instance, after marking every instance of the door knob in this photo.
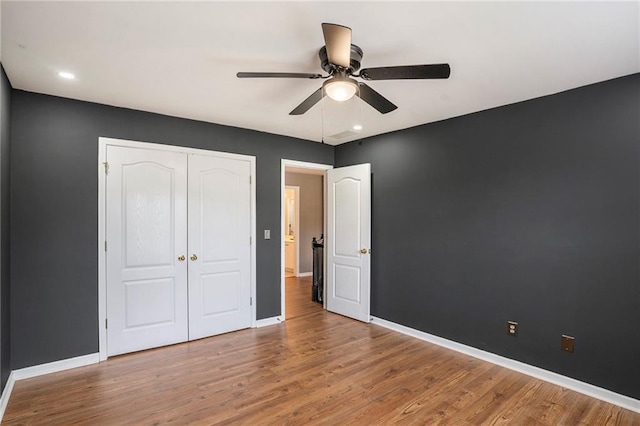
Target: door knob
(181, 258)
(194, 257)
(364, 251)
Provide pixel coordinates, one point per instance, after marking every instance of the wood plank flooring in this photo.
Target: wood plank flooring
(315, 368)
(298, 298)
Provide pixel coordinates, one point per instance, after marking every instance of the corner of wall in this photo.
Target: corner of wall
(5, 142)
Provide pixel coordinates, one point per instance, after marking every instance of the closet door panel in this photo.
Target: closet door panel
(219, 245)
(146, 228)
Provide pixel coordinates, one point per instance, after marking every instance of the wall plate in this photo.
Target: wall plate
(566, 343)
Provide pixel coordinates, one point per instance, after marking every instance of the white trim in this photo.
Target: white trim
(296, 219)
(254, 238)
(539, 373)
(102, 278)
(173, 148)
(102, 237)
(265, 322)
(54, 367)
(42, 369)
(325, 224)
(284, 163)
(297, 240)
(305, 274)
(6, 394)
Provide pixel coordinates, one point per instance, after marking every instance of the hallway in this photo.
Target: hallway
(298, 297)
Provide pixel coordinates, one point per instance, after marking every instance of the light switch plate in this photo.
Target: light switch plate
(267, 234)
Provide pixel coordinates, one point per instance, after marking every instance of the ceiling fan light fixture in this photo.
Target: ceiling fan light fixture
(340, 89)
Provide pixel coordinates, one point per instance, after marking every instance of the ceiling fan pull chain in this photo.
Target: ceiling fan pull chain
(322, 120)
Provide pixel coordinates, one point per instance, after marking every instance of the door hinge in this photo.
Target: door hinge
(105, 245)
(106, 167)
(106, 323)
(251, 301)
(250, 180)
(250, 240)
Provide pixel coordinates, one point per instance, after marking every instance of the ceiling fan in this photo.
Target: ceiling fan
(341, 59)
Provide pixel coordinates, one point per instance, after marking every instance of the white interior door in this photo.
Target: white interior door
(349, 241)
(146, 228)
(219, 245)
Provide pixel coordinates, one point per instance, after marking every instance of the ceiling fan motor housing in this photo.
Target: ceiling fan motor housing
(354, 63)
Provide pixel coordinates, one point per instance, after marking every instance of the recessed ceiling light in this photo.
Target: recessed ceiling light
(357, 127)
(66, 75)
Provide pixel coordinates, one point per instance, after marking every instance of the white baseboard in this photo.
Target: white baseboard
(539, 373)
(39, 370)
(54, 367)
(268, 321)
(305, 274)
(6, 394)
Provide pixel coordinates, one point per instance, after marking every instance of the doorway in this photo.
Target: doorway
(309, 178)
(291, 234)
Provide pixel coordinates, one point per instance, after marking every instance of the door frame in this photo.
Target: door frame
(284, 164)
(296, 221)
(103, 143)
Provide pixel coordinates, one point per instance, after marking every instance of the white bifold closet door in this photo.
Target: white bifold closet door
(146, 234)
(219, 236)
(178, 247)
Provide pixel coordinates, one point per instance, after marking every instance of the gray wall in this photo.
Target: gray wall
(5, 134)
(55, 219)
(311, 214)
(528, 212)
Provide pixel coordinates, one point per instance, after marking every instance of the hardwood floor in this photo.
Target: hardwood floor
(316, 368)
(298, 298)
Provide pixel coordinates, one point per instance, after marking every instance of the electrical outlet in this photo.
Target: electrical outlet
(512, 328)
(566, 343)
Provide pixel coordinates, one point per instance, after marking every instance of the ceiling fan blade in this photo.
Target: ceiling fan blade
(337, 38)
(308, 103)
(277, 75)
(375, 99)
(414, 72)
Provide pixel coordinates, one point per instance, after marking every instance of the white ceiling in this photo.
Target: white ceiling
(180, 58)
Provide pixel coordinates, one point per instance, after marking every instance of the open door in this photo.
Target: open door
(349, 241)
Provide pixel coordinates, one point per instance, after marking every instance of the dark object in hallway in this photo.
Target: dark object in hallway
(317, 288)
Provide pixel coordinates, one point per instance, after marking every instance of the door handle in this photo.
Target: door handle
(181, 258)
(365, 251)
(194, 257)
